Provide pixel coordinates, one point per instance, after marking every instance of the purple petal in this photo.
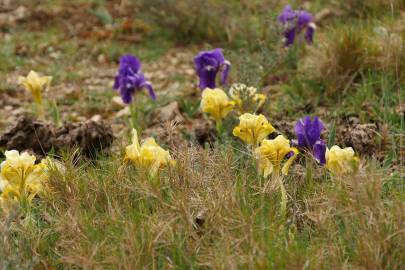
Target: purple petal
(130, 62)
(302, 141)
(207, 79)
(318, 124)
(309, 33)
(149, 87)
(290, 154)
(300, 129)
(207, 65)
(287, 15)
(308, 132)
(213, 59)
(289, 37)
(304, 18)
(126, 94)
(319, 151)
(218, 55)
(314, 130)
(294, 22)
(130, 79)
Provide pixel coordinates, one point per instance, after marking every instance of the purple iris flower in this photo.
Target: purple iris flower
(208, 64)
(309, 137)
(130, 79)
(294, 22)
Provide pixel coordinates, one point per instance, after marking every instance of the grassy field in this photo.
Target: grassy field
(213, 208)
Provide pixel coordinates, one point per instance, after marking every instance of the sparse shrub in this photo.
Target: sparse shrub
(392, 48)
(369, 8)
(343, 58)
(235, 22)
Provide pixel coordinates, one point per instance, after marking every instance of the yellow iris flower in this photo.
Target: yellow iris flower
(271, 154)
(246, 98)
(20, 177)
(35, 84)
(341, 161)
(216, 103)
(252, 129)
(149, 155)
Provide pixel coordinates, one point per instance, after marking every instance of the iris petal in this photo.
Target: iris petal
(130, 79)
(207, 65)
(294, 22)
(149, 87)
(291, 159)
(319, 150)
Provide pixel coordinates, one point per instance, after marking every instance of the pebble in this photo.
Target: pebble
(117, 102)
(123, 112)
(96, 118)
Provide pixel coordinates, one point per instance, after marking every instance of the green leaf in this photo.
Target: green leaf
(332, 136)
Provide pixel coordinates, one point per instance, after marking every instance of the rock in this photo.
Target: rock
(170, 112)
(124, 112)
(364, 138)
(168, 134)
(28, 134)
(101, 58)
(96, 118)
(283, 127)
(205, 132)
(117, 102)
(19, 111)
(41, 137)
(12, 16)
(189, 71)
(89, 136)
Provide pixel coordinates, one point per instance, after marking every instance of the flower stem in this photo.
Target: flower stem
(134, 116)
(218, 125)
(40, 111)
(21, 189)
(309, 170)
(283, 204)
(277, 178)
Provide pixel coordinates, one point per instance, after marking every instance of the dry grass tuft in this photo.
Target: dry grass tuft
(360, 222)
(350, 53)
(370, 8)
(342, 59)
(211, 21)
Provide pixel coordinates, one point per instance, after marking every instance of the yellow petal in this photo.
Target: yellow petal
(35, 84)
(35, 180)
(341, 161)
(216, 103)
(148, 156)
(252, 129)
(288, 163)
(271, 154)
(16, 167)
(267, 168)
